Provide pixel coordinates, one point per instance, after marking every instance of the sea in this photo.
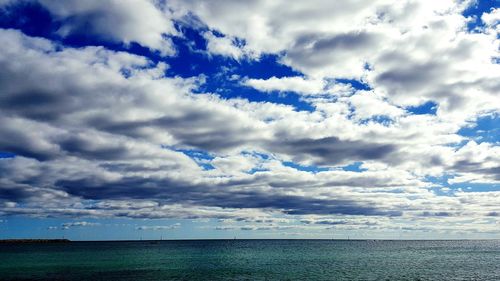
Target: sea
(253, 260)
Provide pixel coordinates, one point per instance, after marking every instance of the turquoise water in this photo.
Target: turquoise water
(253, 260)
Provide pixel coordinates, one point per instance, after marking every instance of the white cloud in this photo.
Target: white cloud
(158, 227)
(367, 105)
(287, 84)
(68, 225)
(492, 18)
(223, 46)
(368, 40)
(139, 21)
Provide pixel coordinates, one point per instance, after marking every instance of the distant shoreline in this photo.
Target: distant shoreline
(42, 241)
(17, 241)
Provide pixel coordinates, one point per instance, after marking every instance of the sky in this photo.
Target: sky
(187, 119)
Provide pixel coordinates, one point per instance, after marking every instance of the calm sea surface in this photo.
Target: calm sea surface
(253, 260)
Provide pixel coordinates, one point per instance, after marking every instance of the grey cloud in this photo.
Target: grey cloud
(313, 52)
(172, 192)
(412, 77)
(86, 148)
(436, 214)
(347, 41)
(16, 193)
(222, 135)
(22, 141)
(467, 166)
(35, 104)
(332, 150)
(200, 128)
(420, 79)
(326, 222)
(23, 193)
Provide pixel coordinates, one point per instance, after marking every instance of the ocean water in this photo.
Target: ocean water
(253, 260)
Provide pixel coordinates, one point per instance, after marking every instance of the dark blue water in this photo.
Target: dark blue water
(253, 260)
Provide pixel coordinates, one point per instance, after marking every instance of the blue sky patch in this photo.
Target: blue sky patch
(356, 84)
(354, 167)
(429, 107)
(486, 129)
(202, 158)
(6, 155)
(305, 168)
(476, 10)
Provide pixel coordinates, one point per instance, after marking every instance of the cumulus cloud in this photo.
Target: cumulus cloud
(492, 18)
(130, 21)
(477, 163)
(287, 84)
(368, 40)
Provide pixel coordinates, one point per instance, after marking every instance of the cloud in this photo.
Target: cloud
(287, 84)
(327, 222)
(158, 227)
(120, 21)
(492, 18)
(223, 46)
(332, 150)
(101, 133)
(69, 225)
(315, 53)
(477, 163)
(367, 40)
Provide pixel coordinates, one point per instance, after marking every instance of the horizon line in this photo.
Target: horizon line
(232, 239)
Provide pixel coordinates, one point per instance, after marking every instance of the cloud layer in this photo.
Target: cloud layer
(98, 131)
